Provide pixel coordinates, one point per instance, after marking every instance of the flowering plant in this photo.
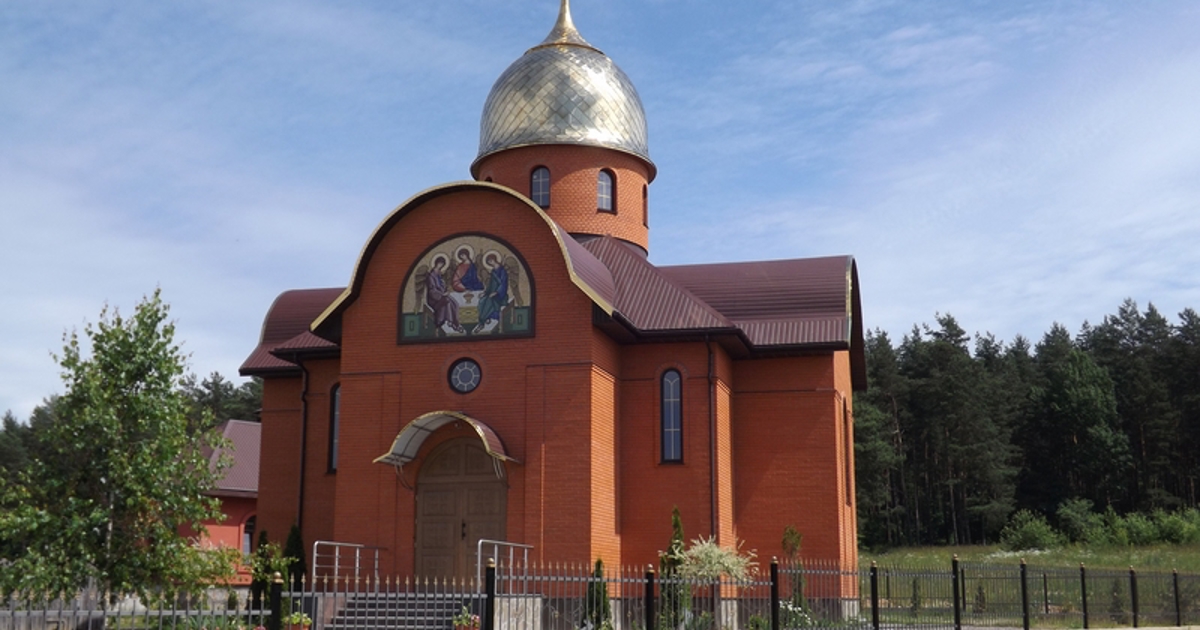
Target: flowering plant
(466, 619)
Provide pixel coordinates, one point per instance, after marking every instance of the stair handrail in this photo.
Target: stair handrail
(336, 555)
(496, 545)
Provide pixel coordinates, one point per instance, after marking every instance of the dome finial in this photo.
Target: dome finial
(564, 32)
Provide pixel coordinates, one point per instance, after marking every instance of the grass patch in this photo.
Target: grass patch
(1185, 558)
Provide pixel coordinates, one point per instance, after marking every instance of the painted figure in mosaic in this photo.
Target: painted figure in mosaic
(466, 274)
(495, 297)
(445, 310)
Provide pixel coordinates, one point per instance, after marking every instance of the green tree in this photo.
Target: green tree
(1134, 348)
(1183, 366)
(120, 472)
(293, 549)
(1071, 439)
(215, 399)
(14, 452)
(963, 475)
(880, 447)
(676, 593)
(597, 611)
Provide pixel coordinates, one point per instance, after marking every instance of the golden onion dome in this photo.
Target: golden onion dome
(563, 91)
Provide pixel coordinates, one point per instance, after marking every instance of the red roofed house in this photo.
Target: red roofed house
(506, 363)
(237, 489)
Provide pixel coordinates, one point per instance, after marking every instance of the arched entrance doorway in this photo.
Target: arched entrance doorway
(460, 500)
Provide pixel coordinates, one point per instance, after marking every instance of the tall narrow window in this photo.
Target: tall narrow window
(248, 535)
(645, 205)
(672, 417)
(604, 192)
(335, 397)
(847, 451)
(539, 186)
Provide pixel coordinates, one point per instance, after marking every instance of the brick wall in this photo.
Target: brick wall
(573, 172)
(578, 411)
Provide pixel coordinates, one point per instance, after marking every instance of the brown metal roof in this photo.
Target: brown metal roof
(648, 299)
(799, 288)
(778, 305)
(288, 317)
(245, 441)
(771, 332)
(595, 275)
(301, 342)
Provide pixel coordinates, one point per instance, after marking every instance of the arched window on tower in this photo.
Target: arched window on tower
(645, 206)
(605, 197)
(335, 396)
(671, 406)
(539, 186)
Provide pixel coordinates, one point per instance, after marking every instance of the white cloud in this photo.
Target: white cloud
(1012, 164)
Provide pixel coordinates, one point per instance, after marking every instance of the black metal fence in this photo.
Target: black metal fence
(558, 597)
(215, 609)
(991, 595)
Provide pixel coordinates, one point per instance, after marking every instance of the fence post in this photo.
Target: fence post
(1024, 595)
(874, 596)
(958, 595)
(1133, 594)
(275, 621)
(1083, 593)
(1045, 593)
(649, 603)
(774, 593)
(1178, 609)
(489, 602)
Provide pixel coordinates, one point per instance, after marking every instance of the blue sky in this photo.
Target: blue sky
(1011, 163)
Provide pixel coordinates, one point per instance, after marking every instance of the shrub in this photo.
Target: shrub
(1028, 530)
(597, 611)
(980, 605)
(917, 601)
(1116, 604)
(1178, 528)
(704, 559)
(758, 622)
(1079, 523)
(1142, 530)
(1115, 530)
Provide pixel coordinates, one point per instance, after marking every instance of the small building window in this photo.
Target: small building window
(248, 536)
(645, 206)
(672, 416)
(605, 200)
(335, 397)
(539, 186)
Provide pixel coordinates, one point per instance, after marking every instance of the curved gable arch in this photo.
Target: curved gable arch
(585, 271)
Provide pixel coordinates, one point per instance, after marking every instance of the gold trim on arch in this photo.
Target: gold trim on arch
(408, 442)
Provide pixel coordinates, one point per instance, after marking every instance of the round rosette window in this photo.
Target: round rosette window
(464, 376)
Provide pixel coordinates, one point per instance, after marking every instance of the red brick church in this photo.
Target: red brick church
(506, 363)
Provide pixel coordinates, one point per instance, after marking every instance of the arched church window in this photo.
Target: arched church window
(539, 186)
(672, 416)
(335, 396)
(605, 201)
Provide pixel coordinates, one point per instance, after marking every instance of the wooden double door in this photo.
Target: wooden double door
(460, 500)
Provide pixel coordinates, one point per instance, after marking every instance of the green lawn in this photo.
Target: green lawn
(1185, 558)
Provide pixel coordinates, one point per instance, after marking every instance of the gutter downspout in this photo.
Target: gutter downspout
(303, 445)
(712, 439)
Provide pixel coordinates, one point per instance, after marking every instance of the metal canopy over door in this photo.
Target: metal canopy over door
(459, 501)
